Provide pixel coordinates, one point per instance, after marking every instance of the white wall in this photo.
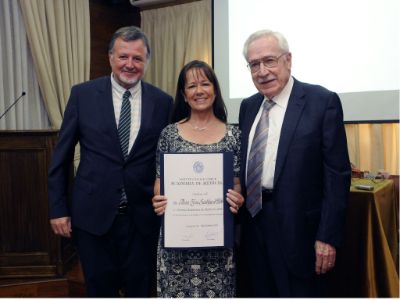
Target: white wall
(349, 46)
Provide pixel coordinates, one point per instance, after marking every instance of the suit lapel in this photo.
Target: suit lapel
(146, 116)
(250, 114)
(107, 108)
(292, 116)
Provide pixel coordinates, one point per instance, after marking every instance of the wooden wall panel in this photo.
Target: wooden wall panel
(106, 16)
(28, 248)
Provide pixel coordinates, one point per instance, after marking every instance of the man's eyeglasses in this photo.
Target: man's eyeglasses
(268, 62)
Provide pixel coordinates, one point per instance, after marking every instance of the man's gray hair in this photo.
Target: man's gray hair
(130, 33)
(282, 42)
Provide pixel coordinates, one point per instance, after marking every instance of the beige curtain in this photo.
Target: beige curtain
(178, 34)
(59, 36)
(17, 74)
(374, 147)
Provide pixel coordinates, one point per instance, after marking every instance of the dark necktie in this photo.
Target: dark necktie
(124, 126)
(124, 131)
(256, 160)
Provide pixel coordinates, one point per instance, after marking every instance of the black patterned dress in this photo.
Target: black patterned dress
(205, 273)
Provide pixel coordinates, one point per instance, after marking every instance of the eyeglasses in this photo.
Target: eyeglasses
(268, 62)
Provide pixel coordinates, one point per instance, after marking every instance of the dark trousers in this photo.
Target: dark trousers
(262, 265)
(122, 261)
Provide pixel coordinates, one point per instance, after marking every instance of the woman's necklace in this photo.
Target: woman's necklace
(197, 128)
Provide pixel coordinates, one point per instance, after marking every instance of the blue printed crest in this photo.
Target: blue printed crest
(198, 167)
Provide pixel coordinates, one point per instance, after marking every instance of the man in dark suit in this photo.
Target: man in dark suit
(117, 120)
(296, 182)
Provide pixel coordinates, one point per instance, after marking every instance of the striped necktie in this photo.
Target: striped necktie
(124, 126)
(256, 160)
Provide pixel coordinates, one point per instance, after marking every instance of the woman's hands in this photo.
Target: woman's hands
(159, 204)
(235, 200)
(233, 197)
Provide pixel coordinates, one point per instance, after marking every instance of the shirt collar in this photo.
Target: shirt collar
(120, 89)
(282, 98)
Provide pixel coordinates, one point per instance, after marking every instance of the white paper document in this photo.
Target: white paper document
(194, 186)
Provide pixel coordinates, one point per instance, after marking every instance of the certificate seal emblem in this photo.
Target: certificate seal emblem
(198, 167)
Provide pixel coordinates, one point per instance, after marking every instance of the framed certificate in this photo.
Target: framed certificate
(197, 213)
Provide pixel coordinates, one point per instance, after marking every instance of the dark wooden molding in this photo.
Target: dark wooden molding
(167, 4)
(106, 16)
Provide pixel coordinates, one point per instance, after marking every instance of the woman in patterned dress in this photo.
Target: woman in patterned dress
(199, 125)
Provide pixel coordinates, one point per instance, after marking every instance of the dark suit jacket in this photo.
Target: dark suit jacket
(90, 120)
(312, 173)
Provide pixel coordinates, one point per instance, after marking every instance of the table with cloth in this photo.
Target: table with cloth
(367, 262)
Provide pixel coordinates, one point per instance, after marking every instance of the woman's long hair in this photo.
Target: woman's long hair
(181, 109)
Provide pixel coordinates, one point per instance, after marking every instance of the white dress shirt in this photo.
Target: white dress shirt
(276, 115)
(136, 106)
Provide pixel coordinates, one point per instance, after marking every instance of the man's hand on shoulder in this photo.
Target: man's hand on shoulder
(61, 226)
